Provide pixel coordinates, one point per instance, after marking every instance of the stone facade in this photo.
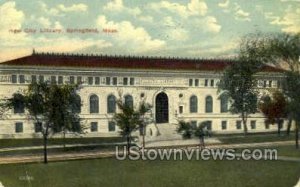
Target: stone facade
(142, 84)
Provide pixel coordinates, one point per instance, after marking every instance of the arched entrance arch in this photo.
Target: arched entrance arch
(162, 108)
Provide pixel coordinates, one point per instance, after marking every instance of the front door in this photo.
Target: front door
(162, 108)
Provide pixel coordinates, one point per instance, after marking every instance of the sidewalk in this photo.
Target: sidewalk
(105, 154)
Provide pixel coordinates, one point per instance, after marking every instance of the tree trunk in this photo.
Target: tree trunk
(288, 130)
(64, 139)
(297, 135)
(144, 132)
(128, 144)
(244, 120)
(278, 128)
(45, 148)
(202, 144)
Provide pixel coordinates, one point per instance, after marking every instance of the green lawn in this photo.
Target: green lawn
(252, 138)
(56, 141)
(110, 172)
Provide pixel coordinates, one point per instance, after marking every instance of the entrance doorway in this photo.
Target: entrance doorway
(162, 108)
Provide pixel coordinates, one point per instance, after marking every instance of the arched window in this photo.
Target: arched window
(224, 103)
(193, 104)
(94, 104)
(76, 104)
(208, 104)
(18, 104)
(129, 101)
(111, 104)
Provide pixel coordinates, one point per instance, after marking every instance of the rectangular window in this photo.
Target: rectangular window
(111, 126)
(41, 78)
(206, 82)
(94, 126)
(267, 125)
(253, 124)
(37, 127)
(79, 80)
(72, 80)
(239, 125)
(14, 78)
(107, 80)
(33, 78)
(53, 79)
(131, 81)
(180, 109)
(191, 82)
(278, 84)
(212, 82)
(196, 82)
(90, 80)
(97, 80)
(224, 125)
(194, 124)
(125, 81)
(265, 84)
(21, 79)
(19, 127)
(115, 81)
(60, 79)
(270, 84)
(209, 125)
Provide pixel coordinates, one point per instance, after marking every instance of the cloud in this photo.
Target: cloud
(178, 34)
(209, 24)
(136, 39)
(290, 0)
(45, 22)
(74, 8)
(241, 14)
(11, 18)
(117, 6)
(148, 19)
(194, 7)
(290, 21)
(224, 4)
(48, 11)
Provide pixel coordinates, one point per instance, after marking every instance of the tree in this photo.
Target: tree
(49, 105)
(282, 49)
(238, 84)
(130, 120)
(274, 109)
(187, 130)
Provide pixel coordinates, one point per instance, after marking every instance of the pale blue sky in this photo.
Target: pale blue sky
(184, 28)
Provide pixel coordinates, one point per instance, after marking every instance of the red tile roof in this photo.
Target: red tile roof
(126, 62)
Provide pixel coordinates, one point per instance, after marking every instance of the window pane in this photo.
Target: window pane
(224, 103)
(111, 104)
(209, 126)
(180, 109)
(72, 80)
(253, 124)
(191, 82)
(41, 78)
(193, 104)
(208, 104)
(53, 79)
(21, 79)
(14, 78)
(111, 126)
(129, 101)
(37, 127)
(76, 104)
(131, 81)
(206, 82)
(125, 81)
(19, 127)
(33, 78)
(107, 80)
(79, 80)
(94, 104)
(115, 81)
(212, 82)
(60, 79)
(97, 80)
(238, 125)
(90, 80)
(19, 104)
(224, 125)
(196, 82)
(94, 126)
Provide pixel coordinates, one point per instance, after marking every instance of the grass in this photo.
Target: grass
(252, 138)
(4, 143)
(111, 172)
